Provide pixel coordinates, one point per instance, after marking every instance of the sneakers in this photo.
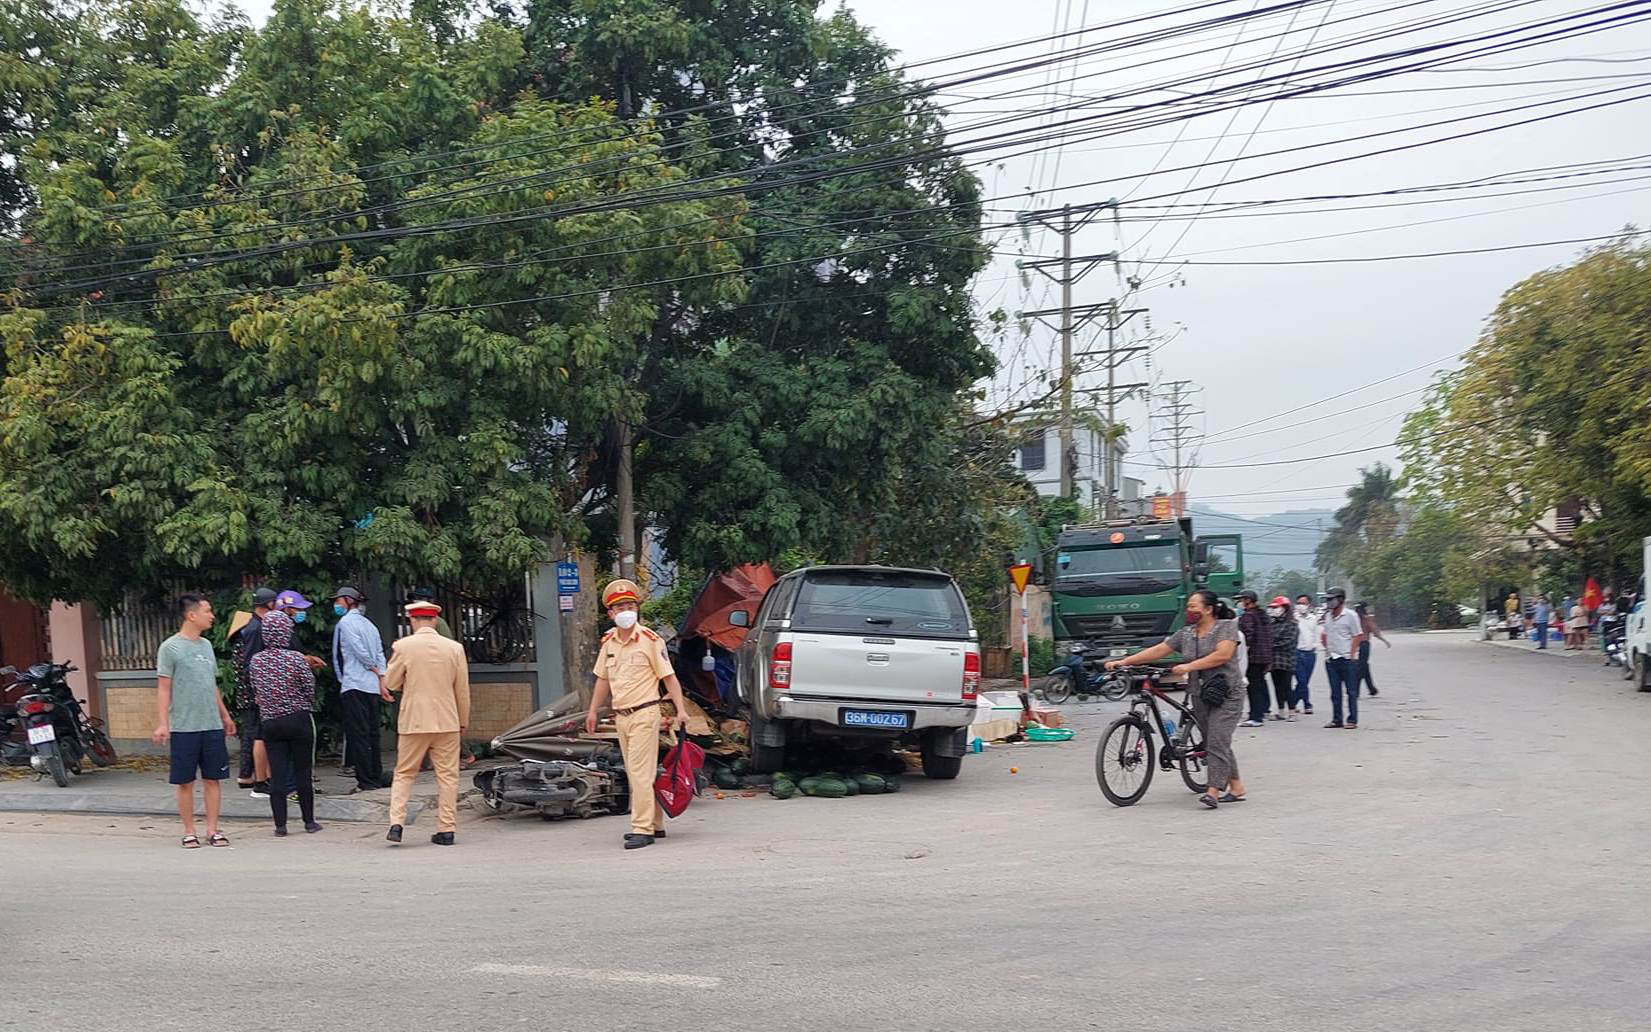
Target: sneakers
(260, 790)
(1251, 723)
(1291, 716)
(1334, 723)
(1280, 716)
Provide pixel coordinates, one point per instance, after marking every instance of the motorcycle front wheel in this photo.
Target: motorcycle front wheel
(1057, 689)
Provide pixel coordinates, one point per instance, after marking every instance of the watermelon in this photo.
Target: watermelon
(850, 787)
(891, 784)
(870, 784)
(829, 788)
(726, 778)
(783, 790)
(807, 785)
(742, 766)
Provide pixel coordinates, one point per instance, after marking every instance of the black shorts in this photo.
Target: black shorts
(202, 751)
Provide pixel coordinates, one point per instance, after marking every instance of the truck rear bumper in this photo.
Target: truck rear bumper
(923, 716)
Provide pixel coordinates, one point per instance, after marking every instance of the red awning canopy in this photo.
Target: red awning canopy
(740, 588)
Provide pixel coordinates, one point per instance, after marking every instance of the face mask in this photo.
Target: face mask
(1275, 610)
(340, 608)
(1193, 617)
(298, 617)
(625, 620)
(1301, 610)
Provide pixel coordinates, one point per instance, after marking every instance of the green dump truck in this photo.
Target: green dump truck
(1121, 585)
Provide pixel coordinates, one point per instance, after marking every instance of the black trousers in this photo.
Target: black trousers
(289, 742)
(360, 712)
(1256, 674)
(1284, 692)
(249, 724)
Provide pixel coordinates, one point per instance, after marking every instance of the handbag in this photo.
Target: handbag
(678, 783)
(1214, 688)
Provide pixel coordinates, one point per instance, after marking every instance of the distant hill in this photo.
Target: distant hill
(1286, 541)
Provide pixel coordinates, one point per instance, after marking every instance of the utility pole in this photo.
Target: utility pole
(625, 434)
(1066, 221)
(1114, 356)
(1179, 435)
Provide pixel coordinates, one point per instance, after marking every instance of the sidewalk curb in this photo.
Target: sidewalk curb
(45, 797)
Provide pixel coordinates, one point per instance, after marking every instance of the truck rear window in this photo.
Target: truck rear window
(873, 603)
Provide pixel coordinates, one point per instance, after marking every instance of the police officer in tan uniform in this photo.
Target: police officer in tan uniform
(433, 678)
(629, 668)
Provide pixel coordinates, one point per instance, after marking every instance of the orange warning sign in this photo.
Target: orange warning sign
(1021, 574)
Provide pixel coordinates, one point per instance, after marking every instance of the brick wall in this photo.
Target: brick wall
(496, 707)
(129, 709)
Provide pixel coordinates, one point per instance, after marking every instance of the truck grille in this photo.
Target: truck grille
(1137, 631)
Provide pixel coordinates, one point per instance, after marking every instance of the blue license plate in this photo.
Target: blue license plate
(875, 718)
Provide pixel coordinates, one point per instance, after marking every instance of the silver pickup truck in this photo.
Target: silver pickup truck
(860, 652)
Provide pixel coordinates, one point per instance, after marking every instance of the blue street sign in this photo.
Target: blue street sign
(567, 578)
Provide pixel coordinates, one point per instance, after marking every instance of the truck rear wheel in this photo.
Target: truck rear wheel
(940, 768)
(766, 759)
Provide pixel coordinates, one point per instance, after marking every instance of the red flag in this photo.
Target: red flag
(1591, 595)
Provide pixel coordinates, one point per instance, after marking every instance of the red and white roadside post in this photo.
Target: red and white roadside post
(1021, 575)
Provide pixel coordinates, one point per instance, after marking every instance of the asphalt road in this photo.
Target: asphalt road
(1474, 857)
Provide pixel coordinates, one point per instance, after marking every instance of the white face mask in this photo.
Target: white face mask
(1275, 610)
(625, 620)
(1301, 610)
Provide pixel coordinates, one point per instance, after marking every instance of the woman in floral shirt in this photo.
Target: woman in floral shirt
(284, 686)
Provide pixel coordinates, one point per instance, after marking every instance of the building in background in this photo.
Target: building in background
(1039, 459)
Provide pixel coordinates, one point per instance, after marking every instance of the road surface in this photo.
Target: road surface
(1474, 857)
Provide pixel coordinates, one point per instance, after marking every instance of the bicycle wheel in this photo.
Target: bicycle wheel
(1124, 760)
(1195, 769)
(1058, 688)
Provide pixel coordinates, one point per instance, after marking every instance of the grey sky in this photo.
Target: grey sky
(1260, 340)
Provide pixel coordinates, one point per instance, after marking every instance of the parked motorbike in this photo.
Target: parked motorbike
(558, 789)
(1081, 674)
(51, 731)
(1613, 633)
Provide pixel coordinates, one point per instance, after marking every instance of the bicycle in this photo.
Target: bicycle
(1125, 759)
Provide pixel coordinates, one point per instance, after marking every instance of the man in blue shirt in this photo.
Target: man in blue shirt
(1540, 615)
(358, 656)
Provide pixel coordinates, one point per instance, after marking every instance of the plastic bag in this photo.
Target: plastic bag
(678, 782)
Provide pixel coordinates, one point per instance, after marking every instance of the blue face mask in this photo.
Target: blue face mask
(339, 608)
(298, 617)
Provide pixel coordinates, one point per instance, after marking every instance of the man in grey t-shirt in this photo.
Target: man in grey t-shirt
(193, 719)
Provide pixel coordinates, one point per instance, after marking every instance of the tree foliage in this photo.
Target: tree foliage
(363, 291)
(1549, 409)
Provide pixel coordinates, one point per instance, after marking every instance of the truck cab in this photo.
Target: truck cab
(1122, 585)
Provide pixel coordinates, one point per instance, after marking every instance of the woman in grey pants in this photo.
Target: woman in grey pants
(1208, 645)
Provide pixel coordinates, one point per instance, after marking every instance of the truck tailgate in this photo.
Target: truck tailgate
(877, 669)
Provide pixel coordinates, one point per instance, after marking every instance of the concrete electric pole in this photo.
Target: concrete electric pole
(1065, 222)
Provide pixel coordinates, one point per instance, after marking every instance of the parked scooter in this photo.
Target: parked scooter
(1075, 676)
(1613, 634)
(52, 732)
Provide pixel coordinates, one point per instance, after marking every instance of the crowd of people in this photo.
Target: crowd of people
(275, 706)
(1276, 645)
(1575, 618)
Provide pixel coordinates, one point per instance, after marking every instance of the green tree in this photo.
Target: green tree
(1289, 583)
(1549, 410)
(327, 406)
(1369, 519)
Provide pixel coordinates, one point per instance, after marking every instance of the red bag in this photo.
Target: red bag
(677, 785)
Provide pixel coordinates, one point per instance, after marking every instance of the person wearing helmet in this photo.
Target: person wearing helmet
(1341, 634)
(629, 669)
(1282, 622)
(1258, 643)
(358, 657)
